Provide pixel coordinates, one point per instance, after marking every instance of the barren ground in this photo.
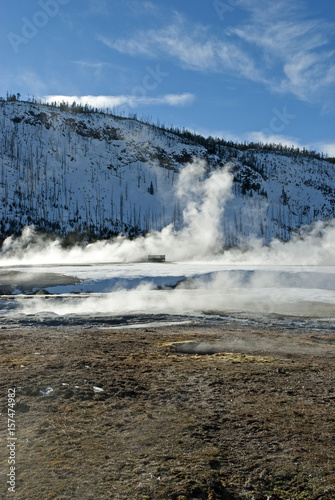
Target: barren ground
(249, 416)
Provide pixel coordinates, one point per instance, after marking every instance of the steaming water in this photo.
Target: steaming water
(295, 296)
(285, 283)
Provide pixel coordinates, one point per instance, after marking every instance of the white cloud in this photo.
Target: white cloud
(178, 99)
(105, 101)
(321, 147)
(327, 148)
(93, 68)
(254, 136)
(140, 8)
(277, 46)
(191, 46)
(86, 64)
(273, 139)
(283, 37)
(296, 50)
(128, 46)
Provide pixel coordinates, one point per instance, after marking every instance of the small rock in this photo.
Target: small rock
(22, 407)
(68, 394)
(98, 389)
(46, 391)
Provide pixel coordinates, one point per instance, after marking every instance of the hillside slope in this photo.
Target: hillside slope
(101, 175)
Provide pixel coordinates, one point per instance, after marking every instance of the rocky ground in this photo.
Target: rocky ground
(178, 412)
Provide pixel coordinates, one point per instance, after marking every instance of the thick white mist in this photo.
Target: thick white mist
(204, 198)
(200, 240)
(315, 246)
(221, 294)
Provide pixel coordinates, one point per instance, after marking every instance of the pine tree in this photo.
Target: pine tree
(151, 188)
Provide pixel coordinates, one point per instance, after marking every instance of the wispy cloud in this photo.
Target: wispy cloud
(254, 136)
(192, 46)
(277, 46)
(95, 68)
(265, 138)
(98, 7)
(321, 147)
(108, 101)
(143, 8)
(296, 49)
(326, 147)
(178, 99)
(259, 136)
(129, 46)
(98, 67)
(86, 64)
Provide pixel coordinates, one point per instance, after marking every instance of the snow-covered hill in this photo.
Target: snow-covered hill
(93, 173)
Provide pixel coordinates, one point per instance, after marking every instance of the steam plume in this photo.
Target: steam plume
(203, 197)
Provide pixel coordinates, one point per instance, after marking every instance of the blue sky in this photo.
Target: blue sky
(238, 69)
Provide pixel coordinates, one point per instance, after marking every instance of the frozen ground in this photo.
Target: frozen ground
(148, 292)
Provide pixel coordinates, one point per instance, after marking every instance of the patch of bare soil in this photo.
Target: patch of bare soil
(145, 414)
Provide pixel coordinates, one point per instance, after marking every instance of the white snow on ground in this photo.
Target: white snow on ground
(112, 277)
(72, 172)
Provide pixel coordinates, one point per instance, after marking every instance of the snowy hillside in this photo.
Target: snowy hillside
(97, 174)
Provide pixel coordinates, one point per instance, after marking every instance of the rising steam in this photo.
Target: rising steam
(200, 240)
(200, 237)
(203, 196)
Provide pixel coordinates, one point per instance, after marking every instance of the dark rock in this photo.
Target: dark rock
(41, 291)
(68, 393)
(21, 407)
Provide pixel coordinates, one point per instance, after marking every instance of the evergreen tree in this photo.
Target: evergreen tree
(151, 188)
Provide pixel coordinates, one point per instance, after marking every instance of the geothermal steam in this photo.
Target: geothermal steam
(203, 196)
(200, 238)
